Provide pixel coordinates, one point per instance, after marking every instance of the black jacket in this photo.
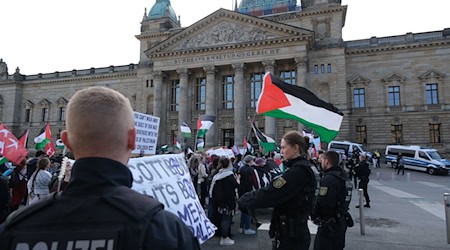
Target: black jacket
(98, 205)
(362, 170)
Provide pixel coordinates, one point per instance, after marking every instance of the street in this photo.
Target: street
(404, 214)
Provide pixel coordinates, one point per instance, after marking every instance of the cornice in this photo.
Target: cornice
(385, 48)
(75, 79)
(233, 46)
(145, 36)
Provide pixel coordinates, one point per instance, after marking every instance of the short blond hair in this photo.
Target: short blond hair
(98, 118)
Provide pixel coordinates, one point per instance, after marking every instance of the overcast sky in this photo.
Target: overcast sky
(44, 36)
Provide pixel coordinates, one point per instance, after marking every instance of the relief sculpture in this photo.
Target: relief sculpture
(225, 33)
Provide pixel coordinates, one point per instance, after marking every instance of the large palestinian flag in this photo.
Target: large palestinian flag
(44, 141)
(203, 124)
(185, 130)
(281, 100)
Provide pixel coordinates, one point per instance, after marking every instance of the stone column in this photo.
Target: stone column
(211, 139)
(157, 103)
(240, 104)
(183, 111)
(302, 72)
(270, 122)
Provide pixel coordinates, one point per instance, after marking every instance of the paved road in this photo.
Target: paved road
(405, 214)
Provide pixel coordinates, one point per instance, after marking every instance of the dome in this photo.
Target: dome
(266, 7)
(162, 8)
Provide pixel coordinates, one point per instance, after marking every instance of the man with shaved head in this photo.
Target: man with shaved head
(97, 210)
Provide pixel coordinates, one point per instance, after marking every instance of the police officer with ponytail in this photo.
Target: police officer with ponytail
(291, 195)
(331, 209)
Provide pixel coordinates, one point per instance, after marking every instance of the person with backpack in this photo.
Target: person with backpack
(98, 208)
(332, 204)
(291, 195)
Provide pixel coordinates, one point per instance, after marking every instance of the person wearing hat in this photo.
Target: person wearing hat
(249, 182)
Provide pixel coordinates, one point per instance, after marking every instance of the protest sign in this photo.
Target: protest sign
(147, 128)
(221, 152)
(167, 179)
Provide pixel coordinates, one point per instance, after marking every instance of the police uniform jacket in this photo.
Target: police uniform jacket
(97, 209)
(283, 192)
(331, 190)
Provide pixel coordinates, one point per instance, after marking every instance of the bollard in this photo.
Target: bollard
(408, 176)
(447, 215)
(393, 176)
(362, 223)
(378, 176)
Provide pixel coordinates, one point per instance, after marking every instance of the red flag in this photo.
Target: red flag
(245, 142)
(23, 140)
(10, 146)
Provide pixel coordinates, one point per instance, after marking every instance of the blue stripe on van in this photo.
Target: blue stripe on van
(409, 161)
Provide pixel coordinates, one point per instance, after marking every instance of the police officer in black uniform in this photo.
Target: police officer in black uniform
(362, 171)
(331, 209)
(291, 195)
(97, 210)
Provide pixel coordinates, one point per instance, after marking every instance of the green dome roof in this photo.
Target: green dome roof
(160, 9)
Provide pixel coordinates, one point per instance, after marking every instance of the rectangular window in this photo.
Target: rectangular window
(329, 68)
(27, 115)
(228, 93)
(175, 95)
(359, 98)
(62, 113)
(322, 68)
(255, 87)
(146, 82)
(435, 133)
(396, 132)
(200, 94)
(316, 69)
(361, 134)
(394, 96)
(44, 114)
(288, 76)
(431, 93)
(228, 137)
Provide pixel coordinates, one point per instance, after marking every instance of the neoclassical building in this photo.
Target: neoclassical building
(390, 89)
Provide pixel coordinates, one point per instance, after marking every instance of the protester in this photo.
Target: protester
(61, 178)
(331, 209)
(203, 180)
(18, 184)
(98, 206)
(223, 192)
(193, 170)
(248, 182)
(291, 195)
(4, 199)
(39, 181)
(32, 163)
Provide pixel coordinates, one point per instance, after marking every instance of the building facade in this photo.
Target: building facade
(390, 89)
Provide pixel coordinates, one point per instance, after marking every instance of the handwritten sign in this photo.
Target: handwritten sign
(147, 128)
(167, 179)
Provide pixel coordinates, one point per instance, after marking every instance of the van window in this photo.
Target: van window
(434, 155)
(339, 146)
(405, 152)
(423, 156)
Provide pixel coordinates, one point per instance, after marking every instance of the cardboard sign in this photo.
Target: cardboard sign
(147, 128)
(167, 179)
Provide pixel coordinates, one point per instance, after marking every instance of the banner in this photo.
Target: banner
(221, 152)
(167, 179)
(147, 128)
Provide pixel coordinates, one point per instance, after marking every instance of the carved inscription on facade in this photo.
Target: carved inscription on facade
(225, 33)
(229, 56)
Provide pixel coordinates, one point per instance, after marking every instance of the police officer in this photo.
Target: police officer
(331, 209)
(362, 171)
(97, 210)
(291, 195)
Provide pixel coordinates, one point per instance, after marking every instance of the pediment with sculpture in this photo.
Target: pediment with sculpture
(224, 28)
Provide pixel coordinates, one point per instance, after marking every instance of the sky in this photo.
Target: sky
(45, 36)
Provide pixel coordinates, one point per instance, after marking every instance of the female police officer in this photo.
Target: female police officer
(291, 195)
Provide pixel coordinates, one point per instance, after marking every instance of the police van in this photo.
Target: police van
(418, 158)
(350, 147)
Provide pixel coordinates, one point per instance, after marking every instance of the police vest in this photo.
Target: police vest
(343, 200)
(115, 219)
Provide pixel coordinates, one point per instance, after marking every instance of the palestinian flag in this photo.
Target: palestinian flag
(248, 146)
(185, 130)
(266, 142)
(203, 124)
(200, 144)
(176, 143)
(281, 100)
(44, 141)
(23, 139)
(59, 144)
(3, 160)
(164, 148)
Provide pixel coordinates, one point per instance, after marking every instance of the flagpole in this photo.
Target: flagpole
(196, 137)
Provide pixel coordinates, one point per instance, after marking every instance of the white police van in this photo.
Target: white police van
(350, 147)
(418, 158)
